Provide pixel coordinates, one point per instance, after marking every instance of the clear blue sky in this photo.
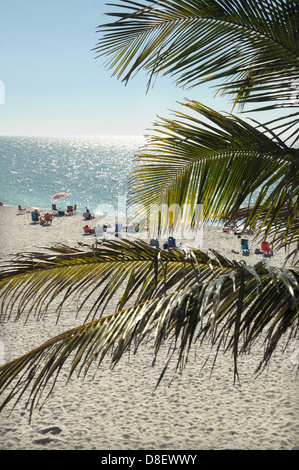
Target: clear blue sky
(53, 85)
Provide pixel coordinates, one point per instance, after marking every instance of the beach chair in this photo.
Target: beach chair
(34, 217)
(70, 210)
(171, 242)
(266, 249)
(88, 230)
(48, 218)
(87, 215)
(245, 247)
(244, 244)
(54, 208)
(154, 242)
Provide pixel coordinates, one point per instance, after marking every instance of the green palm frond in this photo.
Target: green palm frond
(224, 302)
(184, 297)
(220, 162)
(131, 269)
(252, 45)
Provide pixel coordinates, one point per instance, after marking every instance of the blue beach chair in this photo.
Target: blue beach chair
(34, 217)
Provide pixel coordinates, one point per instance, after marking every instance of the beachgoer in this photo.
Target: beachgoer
(89, 229)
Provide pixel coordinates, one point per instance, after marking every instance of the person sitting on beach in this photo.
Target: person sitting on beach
(48, 217)
(88, 229)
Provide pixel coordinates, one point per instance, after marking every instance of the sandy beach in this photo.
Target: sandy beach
(118, 409)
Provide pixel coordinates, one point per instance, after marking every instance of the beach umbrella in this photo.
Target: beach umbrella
(59, 195)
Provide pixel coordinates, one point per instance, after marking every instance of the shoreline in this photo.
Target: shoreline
(120, 409)
(19, 233)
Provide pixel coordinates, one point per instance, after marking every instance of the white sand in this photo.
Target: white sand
(117, 410)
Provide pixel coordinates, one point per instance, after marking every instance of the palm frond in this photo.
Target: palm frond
(254, 44)
(219, 162)
(230, 307)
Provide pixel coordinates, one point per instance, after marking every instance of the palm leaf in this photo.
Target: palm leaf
(231, 307)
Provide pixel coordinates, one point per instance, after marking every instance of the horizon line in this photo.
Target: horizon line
(72, 135)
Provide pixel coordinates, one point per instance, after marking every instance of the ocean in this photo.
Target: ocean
(93, 170)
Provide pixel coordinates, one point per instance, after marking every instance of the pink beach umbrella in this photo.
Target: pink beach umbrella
(59, 195)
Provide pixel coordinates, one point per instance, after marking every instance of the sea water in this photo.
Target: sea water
(93, 170)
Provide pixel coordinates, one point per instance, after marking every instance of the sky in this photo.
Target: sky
(52, 84)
